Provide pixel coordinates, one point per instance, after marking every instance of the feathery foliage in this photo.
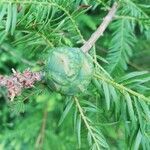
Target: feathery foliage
(114, 113)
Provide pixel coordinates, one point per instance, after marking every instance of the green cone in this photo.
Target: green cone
(68, 70)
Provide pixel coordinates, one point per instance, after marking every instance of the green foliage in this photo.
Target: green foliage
(123, 41)
(113, 113)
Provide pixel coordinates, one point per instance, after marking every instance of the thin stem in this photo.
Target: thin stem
(103, 3)
(122, 88)
(40, 138)
(99, 32)
(46, 39)
(129, 17)
(12, 53)
(135, 66)
(86, 122)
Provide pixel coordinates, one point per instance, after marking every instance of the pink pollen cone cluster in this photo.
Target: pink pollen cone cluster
(19, 81)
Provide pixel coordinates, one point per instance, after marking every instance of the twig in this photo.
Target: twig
(135, 66)
(122, 88)
(99, 32)
(16, 56)
(40, 138)
(86, 122)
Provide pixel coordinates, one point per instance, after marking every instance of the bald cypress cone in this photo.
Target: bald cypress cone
(68, 70)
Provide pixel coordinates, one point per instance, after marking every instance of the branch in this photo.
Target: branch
(99, 32)
(11, 52)
(89, 128)
(122, 88)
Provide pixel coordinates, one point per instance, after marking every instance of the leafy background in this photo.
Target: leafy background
(114, 113)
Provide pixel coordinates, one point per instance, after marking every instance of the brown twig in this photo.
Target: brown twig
(135, 66)
(99, 32)
(40, 138)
